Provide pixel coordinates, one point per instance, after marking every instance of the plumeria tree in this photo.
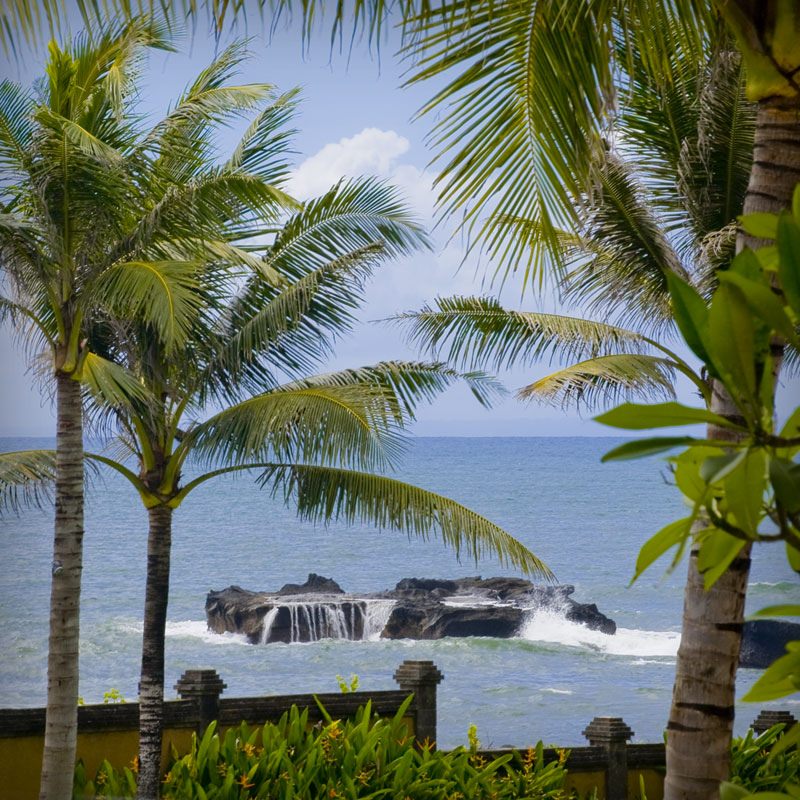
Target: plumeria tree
(741, 483)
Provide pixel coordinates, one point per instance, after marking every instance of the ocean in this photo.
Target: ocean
(585, 519)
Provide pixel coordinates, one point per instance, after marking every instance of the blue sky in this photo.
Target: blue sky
(353, 120)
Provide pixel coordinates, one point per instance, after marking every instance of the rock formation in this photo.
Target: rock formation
(417, 608)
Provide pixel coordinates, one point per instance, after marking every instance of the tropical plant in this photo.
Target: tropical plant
(363, 757)
(518, 122)
(82, 231)
(742, 487)
(241, 331)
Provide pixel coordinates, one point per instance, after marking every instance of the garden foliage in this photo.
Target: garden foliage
(366, 757)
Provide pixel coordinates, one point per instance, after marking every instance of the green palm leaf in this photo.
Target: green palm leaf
(605, 380)
(288, 329)
(478, 332)
(351, 423)
(26, 479)
(110, 384)
(329, 494)
(165, 293)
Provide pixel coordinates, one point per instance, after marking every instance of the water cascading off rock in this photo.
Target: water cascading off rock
(417, 608)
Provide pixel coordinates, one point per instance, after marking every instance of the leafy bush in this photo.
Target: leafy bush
(366, 757)
(753, 769)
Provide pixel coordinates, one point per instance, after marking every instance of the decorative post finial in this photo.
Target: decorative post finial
(203, 687)
(421, 678)
(612, 734)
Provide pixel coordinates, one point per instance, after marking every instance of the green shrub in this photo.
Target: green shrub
(754, 770)
(366, 757)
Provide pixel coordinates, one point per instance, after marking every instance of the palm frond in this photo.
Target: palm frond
(605, 380)
(715, 163)
(16, 131)
(110, 384)
(619, 263)
(329, 494)
(288, 329)
(477, 332)
(26, 479)
(406, 384)
(164, 293)
(352, 214)
(347, 424)
(262, 150)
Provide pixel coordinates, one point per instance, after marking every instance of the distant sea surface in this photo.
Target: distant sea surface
(586, 520)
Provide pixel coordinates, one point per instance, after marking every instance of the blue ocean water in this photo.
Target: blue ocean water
(585, 519)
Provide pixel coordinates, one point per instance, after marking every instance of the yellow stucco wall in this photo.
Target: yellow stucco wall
(21, 757)
(585, 782)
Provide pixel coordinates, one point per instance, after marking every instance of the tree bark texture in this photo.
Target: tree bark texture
(701, 718)
(151, 686)
(61, 726)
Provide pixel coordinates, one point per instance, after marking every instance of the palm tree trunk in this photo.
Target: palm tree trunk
(61, 727)
(151, 686)
(701, 718)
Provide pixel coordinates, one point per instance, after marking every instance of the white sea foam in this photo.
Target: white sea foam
(198, 629)
(471, 601)
(547, 626)
(550, 690)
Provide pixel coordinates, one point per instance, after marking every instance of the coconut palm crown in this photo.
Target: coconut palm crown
(199, 351)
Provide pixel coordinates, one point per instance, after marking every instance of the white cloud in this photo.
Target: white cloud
(371, 152)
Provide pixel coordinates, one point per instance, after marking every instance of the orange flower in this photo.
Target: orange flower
(243, 782)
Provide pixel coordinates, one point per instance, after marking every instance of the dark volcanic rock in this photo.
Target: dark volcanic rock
(424, 608)
(315, 584)
(436, 620)
(764, 640)
(588, 614)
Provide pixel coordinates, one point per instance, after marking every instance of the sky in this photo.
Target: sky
(354, 119)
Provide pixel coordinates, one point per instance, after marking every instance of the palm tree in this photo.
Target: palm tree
(518, 123)
(78, 232)
(636, 230)
(311, 438)
(232, 329)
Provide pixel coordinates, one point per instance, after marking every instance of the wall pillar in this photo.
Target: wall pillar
(768, 717)
(612, 734)
(421, 678)
(203, 687)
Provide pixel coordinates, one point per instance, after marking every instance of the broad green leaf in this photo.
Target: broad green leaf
(763, 302)
(785, 478)
(717, 551)
(691, 316)
(793, 557)
(745, 265)
(732, 791)
(768, 258)
(760, 224)
(716, 467)
(687, 472)
(647, 447)
(783, 610)
(789, 265)
(744, 490)
(638, 416)
(669, 536)
(780, 679)
(792, 427)
(732, 341)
